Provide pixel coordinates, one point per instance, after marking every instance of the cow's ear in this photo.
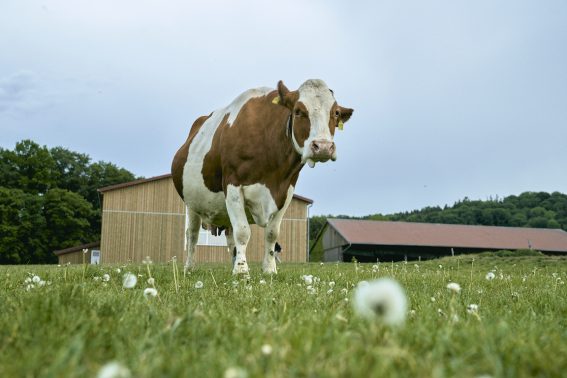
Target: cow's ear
(345, 113)
(286, 97)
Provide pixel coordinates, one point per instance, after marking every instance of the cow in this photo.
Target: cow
(240, 164)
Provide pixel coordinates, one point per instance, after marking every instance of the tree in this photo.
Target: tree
(22, 228)
(68, 217)
(49, 200)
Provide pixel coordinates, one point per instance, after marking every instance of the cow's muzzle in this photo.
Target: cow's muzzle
(322, 150)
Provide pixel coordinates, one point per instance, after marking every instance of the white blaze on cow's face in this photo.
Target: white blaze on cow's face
(318, 101)
(314, 117)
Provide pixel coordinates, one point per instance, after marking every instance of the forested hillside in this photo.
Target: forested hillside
(49, 200)
(529, 209)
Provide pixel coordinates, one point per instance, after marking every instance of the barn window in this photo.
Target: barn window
(206, 238)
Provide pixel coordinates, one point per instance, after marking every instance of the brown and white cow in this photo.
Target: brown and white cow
(240, 164)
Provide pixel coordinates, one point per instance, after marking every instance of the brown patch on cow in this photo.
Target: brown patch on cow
(212, 168)
(180, 157)
(255, 149)
(301, 124)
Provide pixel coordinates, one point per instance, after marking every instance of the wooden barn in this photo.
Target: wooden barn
(147, 218)
(367, 241)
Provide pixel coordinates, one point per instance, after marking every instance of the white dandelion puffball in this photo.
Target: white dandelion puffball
(235, 372)
(266, 349)
(472, 308)
(130, 281)
(150, 292)
(490, 276)
(383, 299)
(454, 287)
(114, 370)
(199, 285)
(36, 279)
(308, 279)
(151, 281)
(106, 277)
(262, 282)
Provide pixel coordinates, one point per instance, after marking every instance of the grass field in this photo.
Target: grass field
(277, 327)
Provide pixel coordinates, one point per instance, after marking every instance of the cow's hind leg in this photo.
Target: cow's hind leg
(271, 234)
(231, 247)
(192, 235)
(240, 227)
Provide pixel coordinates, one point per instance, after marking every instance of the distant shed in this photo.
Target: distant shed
(343, 239)
(88, 253)
(148, 218)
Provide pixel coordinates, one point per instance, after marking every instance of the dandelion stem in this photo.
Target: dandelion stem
(214, 281)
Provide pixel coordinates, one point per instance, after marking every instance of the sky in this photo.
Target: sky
(452, 99)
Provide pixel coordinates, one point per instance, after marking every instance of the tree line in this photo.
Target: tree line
(49, 200)
(529, 209)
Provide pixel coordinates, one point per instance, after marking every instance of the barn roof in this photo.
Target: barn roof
(167, 176)
(77, 248)
(449, 235)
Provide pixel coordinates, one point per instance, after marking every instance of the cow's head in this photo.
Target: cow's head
(315, 115)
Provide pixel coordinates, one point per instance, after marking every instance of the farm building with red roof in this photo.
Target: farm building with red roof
(365, 240)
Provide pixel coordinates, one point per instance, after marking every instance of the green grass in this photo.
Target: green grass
(76, 324)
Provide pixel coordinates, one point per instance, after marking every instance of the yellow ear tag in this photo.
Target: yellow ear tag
(276, 100)
(341, 125)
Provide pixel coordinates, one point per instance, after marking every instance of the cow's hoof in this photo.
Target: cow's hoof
(240, 268)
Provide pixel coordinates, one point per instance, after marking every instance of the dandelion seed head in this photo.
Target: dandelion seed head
(106, 277)
(307, 279)
(151, 281)
(36, 279)
(454, 287)
(114, 370)
(199, 285)
(332, 284)
(382, 299)
(129, 281)
(235, 372)
(262, 282)
(330, 291)
(118, 270)
(266, 349)
(85, 251)
(472, 308)
(150, 292)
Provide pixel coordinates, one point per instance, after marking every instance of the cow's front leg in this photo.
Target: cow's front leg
(192, 235)
(240, 227)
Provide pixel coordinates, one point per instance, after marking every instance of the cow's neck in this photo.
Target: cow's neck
(286, 159)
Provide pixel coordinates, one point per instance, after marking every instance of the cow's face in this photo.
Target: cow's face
(315, 115)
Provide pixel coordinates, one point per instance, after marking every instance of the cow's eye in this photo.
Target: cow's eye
(298, 113)
(337, 114)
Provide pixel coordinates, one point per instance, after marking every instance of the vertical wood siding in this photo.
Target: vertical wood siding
(149, 220)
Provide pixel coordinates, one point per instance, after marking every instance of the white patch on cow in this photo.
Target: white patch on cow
(260, 203)
(210, 206)
(318, 100)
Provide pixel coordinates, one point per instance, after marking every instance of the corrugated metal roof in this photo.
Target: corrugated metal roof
(167, 176)
(449, 235)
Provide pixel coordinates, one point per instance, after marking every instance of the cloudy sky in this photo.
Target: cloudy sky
(451, 98)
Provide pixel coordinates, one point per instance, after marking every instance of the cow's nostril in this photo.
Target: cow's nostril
(314, 147)
(332, 148)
